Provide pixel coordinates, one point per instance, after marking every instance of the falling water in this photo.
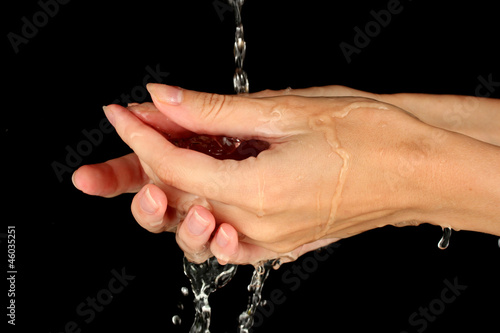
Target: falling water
(207, 277)
(255, 287)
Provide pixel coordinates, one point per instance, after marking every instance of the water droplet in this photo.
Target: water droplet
(445, 240)
(176, 320)
(185, 291)
(277, 264)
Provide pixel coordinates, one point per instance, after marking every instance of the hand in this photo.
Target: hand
(476, 117)
(293, 195)
(155, 221)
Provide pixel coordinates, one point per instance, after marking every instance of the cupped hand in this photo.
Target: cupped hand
(150, 206)
(320, 179)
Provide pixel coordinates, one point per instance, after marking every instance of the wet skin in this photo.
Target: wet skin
(335, 167)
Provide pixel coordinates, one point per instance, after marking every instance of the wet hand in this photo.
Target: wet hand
(291, 196)
(150, 206)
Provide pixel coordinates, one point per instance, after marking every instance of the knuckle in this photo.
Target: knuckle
(334, 90)
(269, 92)
(265, 93)
(212, 105)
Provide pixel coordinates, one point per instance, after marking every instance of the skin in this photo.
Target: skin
(337, 166)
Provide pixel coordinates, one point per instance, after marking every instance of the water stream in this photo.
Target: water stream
(207, 277)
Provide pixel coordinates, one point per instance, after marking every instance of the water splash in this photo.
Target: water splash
(255, 287)
(205, 278)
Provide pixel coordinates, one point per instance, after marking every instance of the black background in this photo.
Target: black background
(91, 52)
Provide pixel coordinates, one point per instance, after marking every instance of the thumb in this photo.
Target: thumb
(207, 113)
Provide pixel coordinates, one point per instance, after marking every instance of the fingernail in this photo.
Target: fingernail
(196, 224)
(165, 94)
(109, 115)
(147, 203)
(73, 179)
(222, 261)
(155, 224)
(222, 238)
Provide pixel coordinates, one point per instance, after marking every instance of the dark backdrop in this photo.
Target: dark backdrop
(81, 55)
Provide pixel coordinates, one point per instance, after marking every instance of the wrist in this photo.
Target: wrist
(462, 188)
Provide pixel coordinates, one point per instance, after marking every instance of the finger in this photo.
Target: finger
(150, 115)
(111, 178)
(149, 207)
(184, 169)
(194, 233)
(227, 248)
(162, 209)
(229, 115)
